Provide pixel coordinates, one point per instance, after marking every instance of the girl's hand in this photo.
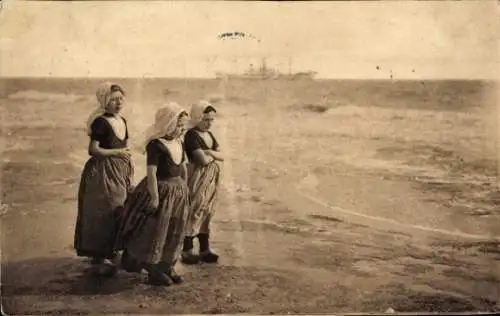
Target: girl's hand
(208, 152)
(154, 203)
(214, 155)
(124, 152)
(131, 189)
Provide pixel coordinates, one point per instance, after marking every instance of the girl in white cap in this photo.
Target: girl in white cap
(154, 218)
(203, 152)
(106, 179)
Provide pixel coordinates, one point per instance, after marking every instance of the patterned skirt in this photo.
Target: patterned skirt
(203, 184)
(154, 238)
(104, 185)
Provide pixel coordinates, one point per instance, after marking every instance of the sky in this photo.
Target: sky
(442, 39)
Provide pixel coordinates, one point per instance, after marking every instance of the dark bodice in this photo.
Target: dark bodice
(193, 141)
(102, 132)
(159, 156)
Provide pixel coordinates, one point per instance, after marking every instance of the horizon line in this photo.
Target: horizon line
(254, 79)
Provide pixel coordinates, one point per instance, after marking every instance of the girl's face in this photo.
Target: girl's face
(181, 127)
(207, 121)
(116, 102)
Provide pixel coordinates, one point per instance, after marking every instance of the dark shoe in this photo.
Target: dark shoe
(209, 257)
(188, 257)
(206, 255)
(159, 278)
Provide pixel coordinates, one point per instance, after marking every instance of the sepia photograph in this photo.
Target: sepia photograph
(256, 157)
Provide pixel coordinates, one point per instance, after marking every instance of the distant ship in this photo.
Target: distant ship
(263, 72)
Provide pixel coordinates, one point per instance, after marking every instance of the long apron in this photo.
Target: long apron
(203, 184)
(103, 189)
(154, 238)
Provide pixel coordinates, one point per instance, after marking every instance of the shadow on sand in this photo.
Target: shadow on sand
(52, 284)
(56, 276)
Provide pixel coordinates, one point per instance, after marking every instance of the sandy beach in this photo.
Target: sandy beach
(337, 197)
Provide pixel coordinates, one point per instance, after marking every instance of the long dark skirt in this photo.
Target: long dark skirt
(104, 186)
(203, 184)
(152, 238)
